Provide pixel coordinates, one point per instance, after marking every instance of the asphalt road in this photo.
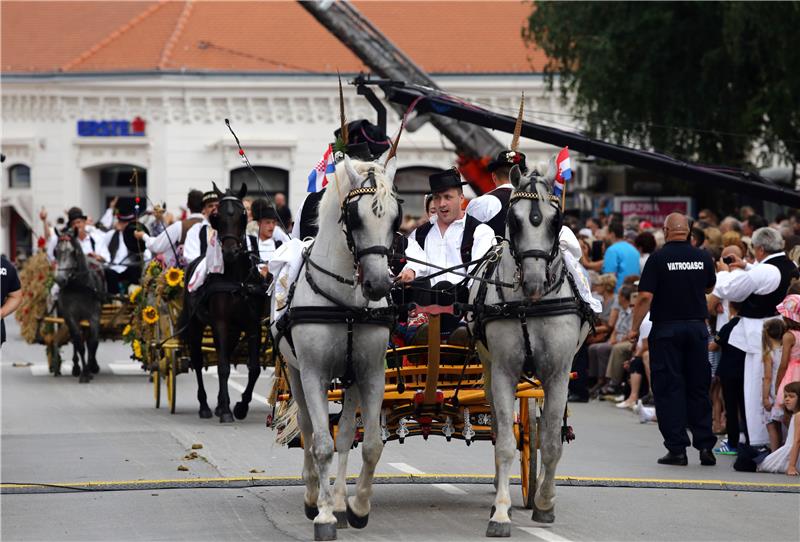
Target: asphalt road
(57, 431)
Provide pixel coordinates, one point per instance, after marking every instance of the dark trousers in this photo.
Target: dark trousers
(733, 395)
(580, 365)
(118, 282)
(681, 379)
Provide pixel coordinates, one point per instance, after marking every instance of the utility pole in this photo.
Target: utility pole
(387, 61)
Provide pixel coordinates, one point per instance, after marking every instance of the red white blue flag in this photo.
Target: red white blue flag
(318, 178)
(563, 171)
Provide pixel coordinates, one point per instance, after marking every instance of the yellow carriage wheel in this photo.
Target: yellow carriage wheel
(171, 375)
(156, 387)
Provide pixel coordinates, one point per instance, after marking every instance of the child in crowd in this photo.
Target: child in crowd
(730, 372)
(772, 338)
(787, 458)
(789, 370)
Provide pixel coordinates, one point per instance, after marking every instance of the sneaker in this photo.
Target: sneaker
(725, 449)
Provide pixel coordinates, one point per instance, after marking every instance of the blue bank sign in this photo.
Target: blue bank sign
(111, 128)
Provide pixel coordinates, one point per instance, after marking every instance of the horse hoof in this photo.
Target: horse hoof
(217, 411)
(76, 370)
(205, 412)
(240, 410)
(341, 519)
(95, 368)
(311, 511)
(544, 516)
(497, 529)
(84, 379)
(226, 417)
(356, 522)
(324, 531)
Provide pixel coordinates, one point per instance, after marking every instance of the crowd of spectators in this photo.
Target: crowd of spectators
(615, 250)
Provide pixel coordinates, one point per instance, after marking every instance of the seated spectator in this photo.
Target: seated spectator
(786, 459)
(600, 352)
(638, 367)
(621, 349)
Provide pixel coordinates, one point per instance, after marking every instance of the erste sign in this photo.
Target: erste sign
(111, 128)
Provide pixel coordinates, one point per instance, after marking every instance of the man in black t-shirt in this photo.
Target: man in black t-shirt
(673, 285)
(10, 291)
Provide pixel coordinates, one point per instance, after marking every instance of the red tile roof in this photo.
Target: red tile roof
(224, 36)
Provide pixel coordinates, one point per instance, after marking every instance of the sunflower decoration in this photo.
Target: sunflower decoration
(137, 349)
(135, 294)
(150, 315)
(174, 277)
(126, 331)
(154, 268)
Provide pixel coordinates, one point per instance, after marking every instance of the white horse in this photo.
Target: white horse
(339, 327)
(533, 326)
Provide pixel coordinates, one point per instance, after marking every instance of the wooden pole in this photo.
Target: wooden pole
(434, 338)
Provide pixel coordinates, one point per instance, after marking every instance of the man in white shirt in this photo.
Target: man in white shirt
(492, 207)
(760, 288)
(91, 242)
(169, 243)
(125, 265)
(450, 238)
(197, 236)
(265, 242)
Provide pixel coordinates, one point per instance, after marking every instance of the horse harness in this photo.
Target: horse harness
(522, 310)
(341, 312)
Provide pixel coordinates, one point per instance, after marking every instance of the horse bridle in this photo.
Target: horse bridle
(535, 218)
(238, 239)
(348, 207)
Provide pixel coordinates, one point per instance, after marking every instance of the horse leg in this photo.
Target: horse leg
(253, 372)
(195, 338)
(310, 476)
(93, 342)
(371, 391)
(223, 342)
(555, 392)
(315, 388)
(504, 382)
(344, 442)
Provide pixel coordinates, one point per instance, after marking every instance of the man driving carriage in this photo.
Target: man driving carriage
(126, 253)
(264, 244)
(197, 237)
(90, 241)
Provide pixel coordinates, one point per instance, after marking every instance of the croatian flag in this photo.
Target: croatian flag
(563, 171)
(318, 178)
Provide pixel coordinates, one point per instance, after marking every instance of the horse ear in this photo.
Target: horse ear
(391, 169)
(516, 176)
(550, 176)
(242, 191)
(352, 174)
(216, 190)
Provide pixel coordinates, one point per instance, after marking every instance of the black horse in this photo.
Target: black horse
(82, 289)
(232, 303)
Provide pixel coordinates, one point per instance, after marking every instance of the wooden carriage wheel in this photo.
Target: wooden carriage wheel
(156, 387)
(172, 372)
(529, 425)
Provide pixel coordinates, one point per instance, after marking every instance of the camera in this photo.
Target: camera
(727, 260)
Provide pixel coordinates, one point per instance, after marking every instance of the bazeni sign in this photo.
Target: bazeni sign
(111, 128)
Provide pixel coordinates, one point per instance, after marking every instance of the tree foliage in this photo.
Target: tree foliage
(710, 81)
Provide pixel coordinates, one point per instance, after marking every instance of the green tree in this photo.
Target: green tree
(709, 81)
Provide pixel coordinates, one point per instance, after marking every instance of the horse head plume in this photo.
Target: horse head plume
(518, 125)
(342, 118)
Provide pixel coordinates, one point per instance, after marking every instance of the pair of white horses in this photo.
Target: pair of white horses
(352, 223)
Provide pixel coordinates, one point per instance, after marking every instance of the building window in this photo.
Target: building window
(273, 180)
(412, 185)
(19, 176)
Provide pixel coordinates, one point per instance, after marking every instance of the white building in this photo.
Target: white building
(73, 136)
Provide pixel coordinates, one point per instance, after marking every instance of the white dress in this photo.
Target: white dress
(778, 461)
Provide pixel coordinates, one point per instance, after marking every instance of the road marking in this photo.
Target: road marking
(126, 369)
(268, 373)
(447, 488)
(544, 534)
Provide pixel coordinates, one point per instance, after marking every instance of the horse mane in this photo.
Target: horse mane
(339, 187)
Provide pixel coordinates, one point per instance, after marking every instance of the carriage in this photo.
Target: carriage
(155, 335)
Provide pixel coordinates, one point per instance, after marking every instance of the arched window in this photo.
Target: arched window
(412, 185)
(273, 180)
(19, 176)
